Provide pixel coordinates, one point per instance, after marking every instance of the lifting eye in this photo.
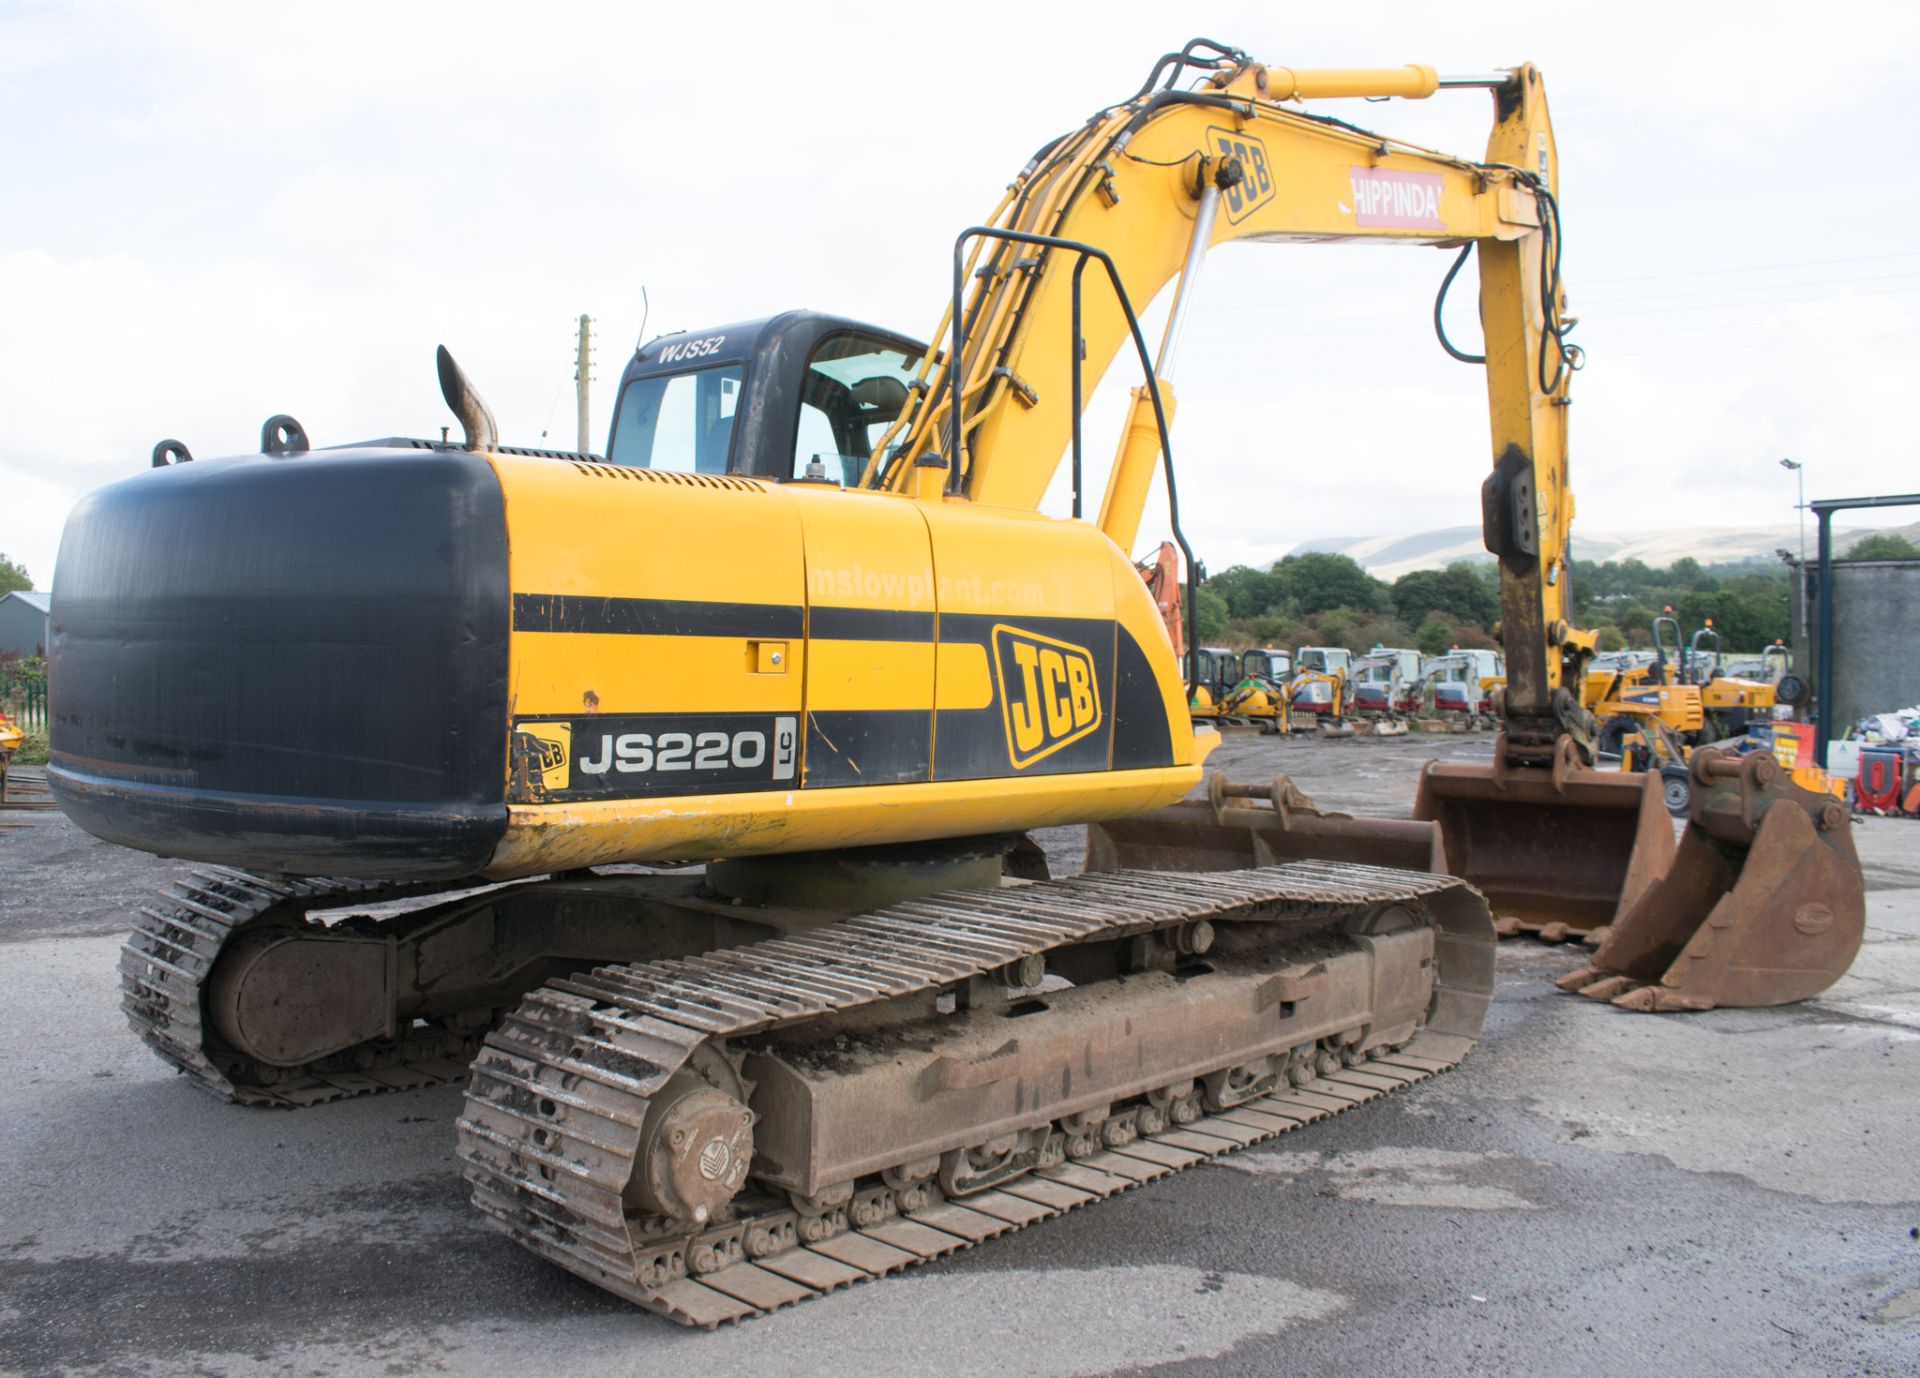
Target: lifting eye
(282, 435)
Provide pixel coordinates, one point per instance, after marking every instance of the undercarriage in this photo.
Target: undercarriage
(715, 1107)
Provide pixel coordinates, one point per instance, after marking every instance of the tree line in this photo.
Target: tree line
(1318, 599)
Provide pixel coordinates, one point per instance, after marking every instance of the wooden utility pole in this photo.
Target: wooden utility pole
(581, 366)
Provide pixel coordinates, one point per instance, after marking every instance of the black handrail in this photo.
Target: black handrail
(958, 477)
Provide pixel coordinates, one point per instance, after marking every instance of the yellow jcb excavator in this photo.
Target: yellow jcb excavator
(804, 623)
(1319, 690)
(1260, 697)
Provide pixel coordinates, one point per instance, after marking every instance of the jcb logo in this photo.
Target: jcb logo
(541, 760)
(1255, 186)
(1048, 694)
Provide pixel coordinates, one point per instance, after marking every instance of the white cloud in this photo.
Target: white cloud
(226, 211)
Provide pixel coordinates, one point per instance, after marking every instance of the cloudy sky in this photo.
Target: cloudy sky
(218, 212)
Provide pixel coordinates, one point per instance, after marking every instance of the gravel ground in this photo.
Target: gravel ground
(1590, 1193)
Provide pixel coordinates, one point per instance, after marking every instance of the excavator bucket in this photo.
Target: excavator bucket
(1764, 903)
(1241, 825)
(1559, 854)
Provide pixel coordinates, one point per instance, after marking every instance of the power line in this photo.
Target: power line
(1758, 268)
(1801, 323)
(1756, 344)
(1243, 355)
(1743, 305)
(1755, 287)
(1590, 325)
(1585, 303)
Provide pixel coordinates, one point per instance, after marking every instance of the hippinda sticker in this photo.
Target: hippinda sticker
(1384, 198)
(1048, 694)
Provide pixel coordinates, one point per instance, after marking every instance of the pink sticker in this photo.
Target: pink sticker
(1389, 200)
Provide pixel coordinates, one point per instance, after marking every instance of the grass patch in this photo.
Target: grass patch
(33, 751)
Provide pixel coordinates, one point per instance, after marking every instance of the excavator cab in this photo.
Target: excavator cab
(1207, 695)
(1263, 662)
(798, 397)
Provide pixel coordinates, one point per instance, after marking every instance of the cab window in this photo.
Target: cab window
(856, 387)
(678, 421)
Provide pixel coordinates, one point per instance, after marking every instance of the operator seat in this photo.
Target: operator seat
(879, 398)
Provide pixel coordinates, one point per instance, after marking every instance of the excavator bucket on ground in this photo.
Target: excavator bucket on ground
(1241, 825)
(1247, 825)
(1764, 903)
(1559, 854)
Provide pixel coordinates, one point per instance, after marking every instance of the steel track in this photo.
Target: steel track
(559, 1093)
(166, 959)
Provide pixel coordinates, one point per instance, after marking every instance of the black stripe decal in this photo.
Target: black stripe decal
(874, 746)
(574, 612)
(1142, 737)
(868, 624)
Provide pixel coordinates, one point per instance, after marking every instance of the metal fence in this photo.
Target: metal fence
(25, 701)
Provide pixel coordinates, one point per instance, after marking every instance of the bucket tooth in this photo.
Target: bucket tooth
(1609, 988)
(1764, 903)
(1581, 979)
(1656, 1000)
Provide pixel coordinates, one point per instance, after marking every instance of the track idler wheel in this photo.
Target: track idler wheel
(286, 996)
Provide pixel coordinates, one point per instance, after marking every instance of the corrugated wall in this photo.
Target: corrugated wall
(1876, 637)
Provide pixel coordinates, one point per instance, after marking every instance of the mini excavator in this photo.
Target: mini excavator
(443, 724)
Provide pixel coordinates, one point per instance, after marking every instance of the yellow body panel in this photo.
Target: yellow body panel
(1727, 692)
(1137, 616)
(554, 837)
(962, 679)
(1683, 707)
(575, 534)
(716, 667)
(868, 553)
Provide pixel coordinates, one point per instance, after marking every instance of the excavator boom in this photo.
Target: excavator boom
(1159, 181)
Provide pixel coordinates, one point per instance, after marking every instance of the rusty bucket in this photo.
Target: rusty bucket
(1241, 825)
(1559, 853)
(1764, 903)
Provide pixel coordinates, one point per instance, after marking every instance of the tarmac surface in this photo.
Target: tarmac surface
(1592, 1192)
